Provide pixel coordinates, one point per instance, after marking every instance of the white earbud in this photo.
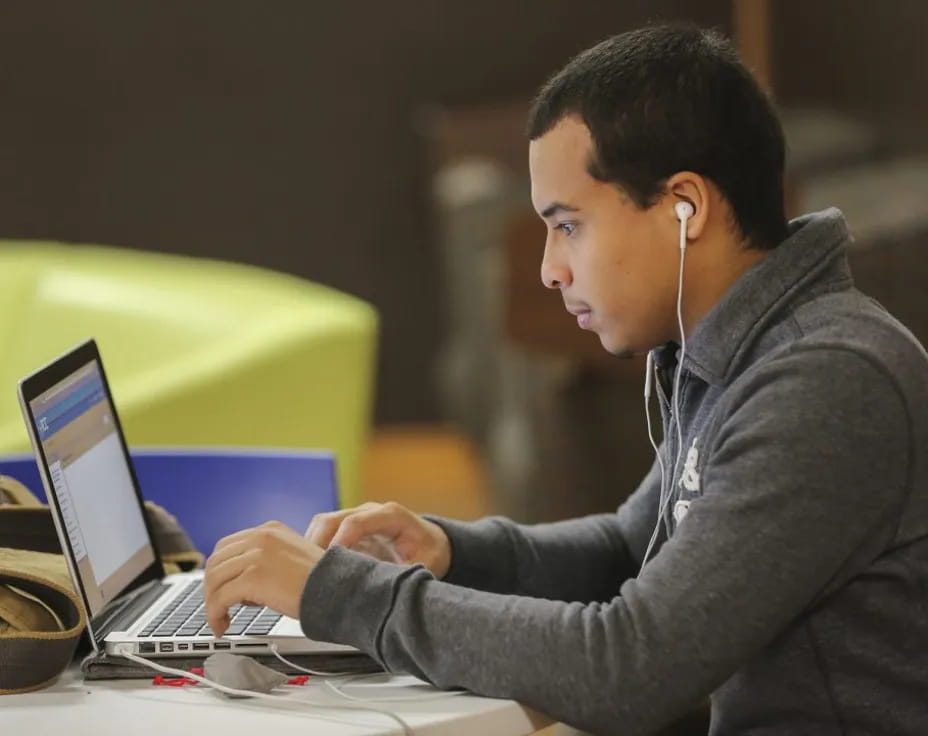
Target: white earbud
(684, 210)
(648, 381)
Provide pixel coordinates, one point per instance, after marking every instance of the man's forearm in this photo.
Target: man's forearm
(577, 560)
(585, 664)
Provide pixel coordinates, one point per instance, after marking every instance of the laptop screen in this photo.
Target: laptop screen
(75, 423)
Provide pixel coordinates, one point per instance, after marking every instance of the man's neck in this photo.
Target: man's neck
(709, 279)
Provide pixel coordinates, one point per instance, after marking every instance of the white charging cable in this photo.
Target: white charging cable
(297, 667)
(684, 211)
(406, 729)
(336, 688)
(348, 678)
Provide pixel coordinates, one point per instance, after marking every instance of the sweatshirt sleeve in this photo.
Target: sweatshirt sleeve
(804, 481)
(583, 559)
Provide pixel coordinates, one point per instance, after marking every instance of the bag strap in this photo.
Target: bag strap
(14, 492)
(24, 522)
(23, 527)
(29, 660)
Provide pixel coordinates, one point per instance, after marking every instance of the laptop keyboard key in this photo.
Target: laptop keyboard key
(258, 630)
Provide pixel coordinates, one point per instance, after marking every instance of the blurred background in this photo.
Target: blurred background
(378, 148)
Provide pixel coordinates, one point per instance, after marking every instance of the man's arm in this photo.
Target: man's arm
(798, 493)
(584, 559)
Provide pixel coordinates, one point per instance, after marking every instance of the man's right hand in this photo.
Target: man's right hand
(372, 525)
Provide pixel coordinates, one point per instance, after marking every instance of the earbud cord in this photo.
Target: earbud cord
(650, 368)
(679, 371)
(664, 500)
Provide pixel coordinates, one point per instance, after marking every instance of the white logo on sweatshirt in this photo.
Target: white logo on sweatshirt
(690, 477)
(680, 509)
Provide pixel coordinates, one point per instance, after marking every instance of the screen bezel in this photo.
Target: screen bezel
(30, 388)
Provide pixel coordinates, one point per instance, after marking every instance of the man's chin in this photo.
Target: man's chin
(618, 349)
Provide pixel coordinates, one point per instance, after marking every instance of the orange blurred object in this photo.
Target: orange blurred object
(427, 468)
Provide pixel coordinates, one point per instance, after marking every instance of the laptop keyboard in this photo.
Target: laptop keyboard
(186, 616)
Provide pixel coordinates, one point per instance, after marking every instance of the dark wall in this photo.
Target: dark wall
(866, 59)
(275, 133)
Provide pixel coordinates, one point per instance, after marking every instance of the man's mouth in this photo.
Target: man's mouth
(583, 315)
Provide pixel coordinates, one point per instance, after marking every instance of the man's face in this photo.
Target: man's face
(615, 264)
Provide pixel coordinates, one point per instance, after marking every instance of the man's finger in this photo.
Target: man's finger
(220, 625)
(322, 521)
(383, 520)
(231, 539)
(222, 572)
(230, 550)
(324, 526)
(234, 590)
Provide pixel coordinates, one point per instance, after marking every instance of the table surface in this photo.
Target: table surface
(137, 707)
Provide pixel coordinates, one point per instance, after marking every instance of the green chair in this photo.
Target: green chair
(198, 353)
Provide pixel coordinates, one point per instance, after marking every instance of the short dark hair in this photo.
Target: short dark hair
(664, 99)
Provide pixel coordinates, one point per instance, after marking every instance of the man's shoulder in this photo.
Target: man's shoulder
(848, 362)
(839, 336)
(852, 321)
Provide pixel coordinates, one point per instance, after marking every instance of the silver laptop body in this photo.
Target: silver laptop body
(96, 504)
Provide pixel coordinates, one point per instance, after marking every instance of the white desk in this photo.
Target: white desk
(138, 708)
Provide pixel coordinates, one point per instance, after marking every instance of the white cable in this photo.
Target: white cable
(676, 378)
(406, 729)
(304, 669)
(649, 367)
(389, 699)
(663, 501)
(351, 676)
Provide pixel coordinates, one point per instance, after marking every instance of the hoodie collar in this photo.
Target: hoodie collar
(813, 256)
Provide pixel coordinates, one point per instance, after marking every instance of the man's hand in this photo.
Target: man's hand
(267, 566)
(389, 526)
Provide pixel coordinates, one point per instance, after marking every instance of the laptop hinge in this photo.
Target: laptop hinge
(126, 609)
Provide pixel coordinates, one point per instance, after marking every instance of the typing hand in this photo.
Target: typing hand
(386, 531)
(267, 566)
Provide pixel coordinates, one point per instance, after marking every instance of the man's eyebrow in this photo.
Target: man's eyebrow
(556, 207)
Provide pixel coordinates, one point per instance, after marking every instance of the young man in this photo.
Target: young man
(788, 576)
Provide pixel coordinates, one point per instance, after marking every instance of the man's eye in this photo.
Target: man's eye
(568, 228)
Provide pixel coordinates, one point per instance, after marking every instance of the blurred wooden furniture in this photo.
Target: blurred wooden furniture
(428, 468)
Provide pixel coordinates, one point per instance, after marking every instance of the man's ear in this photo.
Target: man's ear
(687, 186)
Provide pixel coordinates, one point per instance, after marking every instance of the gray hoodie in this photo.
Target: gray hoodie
(793, 587)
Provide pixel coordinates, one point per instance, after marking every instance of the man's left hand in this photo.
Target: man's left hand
(266, 566)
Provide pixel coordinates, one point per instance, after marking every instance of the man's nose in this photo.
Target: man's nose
(554, 272)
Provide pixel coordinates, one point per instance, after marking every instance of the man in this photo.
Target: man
(788, 576)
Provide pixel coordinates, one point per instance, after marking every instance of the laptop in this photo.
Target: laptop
(94, 498)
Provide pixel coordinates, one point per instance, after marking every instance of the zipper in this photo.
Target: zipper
(664, 388)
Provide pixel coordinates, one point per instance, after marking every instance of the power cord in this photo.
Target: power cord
(348, 678)
(406, 728)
